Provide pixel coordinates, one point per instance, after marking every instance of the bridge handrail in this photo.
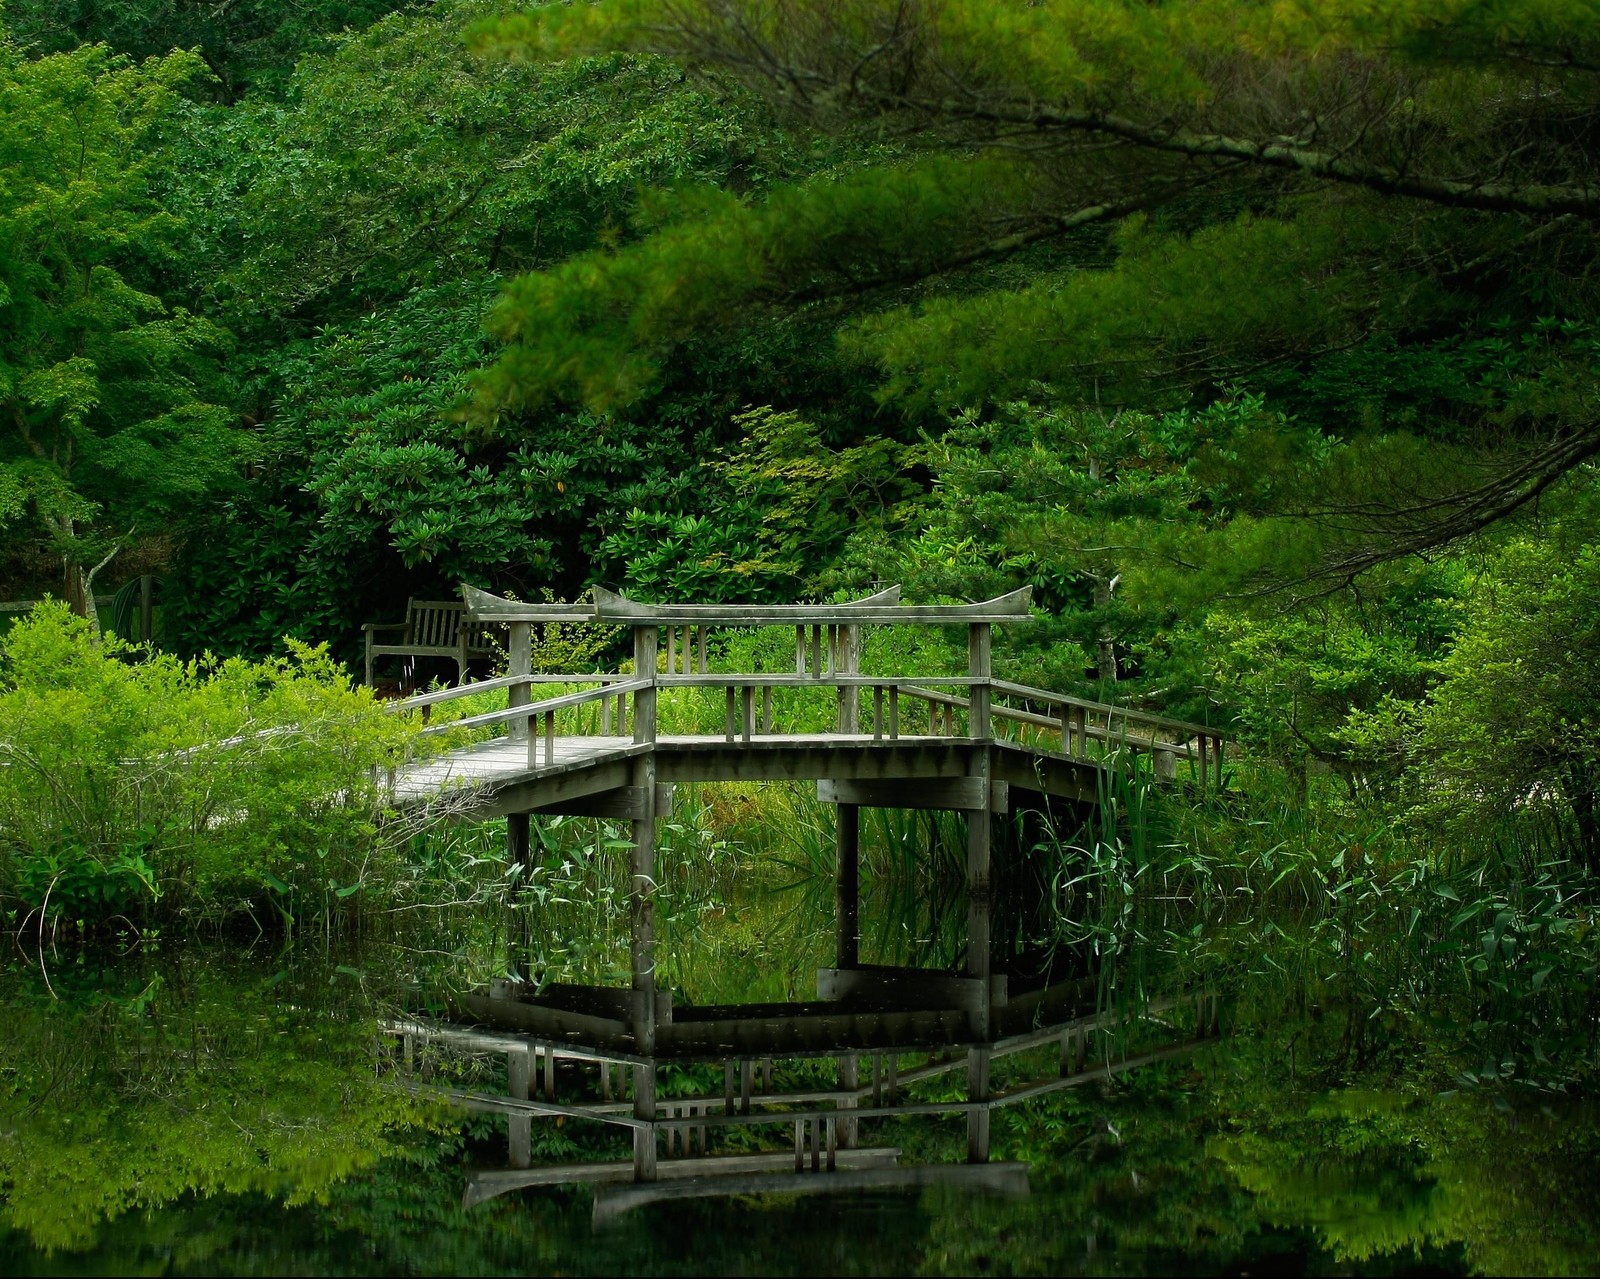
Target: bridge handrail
(434, 697)
(1126, 712)
(720, 679)
(614, 686)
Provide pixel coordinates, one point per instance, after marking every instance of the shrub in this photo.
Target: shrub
(208, 786)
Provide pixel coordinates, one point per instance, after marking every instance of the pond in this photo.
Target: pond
(243, 1108)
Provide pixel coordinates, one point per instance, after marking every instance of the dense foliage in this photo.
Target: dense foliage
(1261, 339)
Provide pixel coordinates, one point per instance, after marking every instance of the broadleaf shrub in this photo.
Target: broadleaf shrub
(212, 787)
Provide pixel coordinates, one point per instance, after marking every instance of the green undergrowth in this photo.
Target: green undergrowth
(137, 790)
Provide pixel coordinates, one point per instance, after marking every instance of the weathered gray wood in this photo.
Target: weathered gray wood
(954, 794)
(612, 608)
(625, 803)
(432, 628)
(782, 679)
(642, 931)
(978, 1117)
(908, 987)
(548, 705)
(485, 1184)
(519, 664)
(785, 758)
(979, 835)
(481, 606)
(847, 886)
(849, 1082)
(1010, 1179)
(520, 1126)
(1180, 729)
(644, 671)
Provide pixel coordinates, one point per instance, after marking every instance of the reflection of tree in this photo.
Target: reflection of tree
(207, 1080)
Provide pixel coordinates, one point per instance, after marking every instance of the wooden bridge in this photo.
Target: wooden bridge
(894, 740)
(969, 743)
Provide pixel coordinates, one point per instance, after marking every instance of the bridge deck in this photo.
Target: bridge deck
(494, 778)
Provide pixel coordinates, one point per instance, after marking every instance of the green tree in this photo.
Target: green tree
(247, 43)
(1136, 204)
(104, 390)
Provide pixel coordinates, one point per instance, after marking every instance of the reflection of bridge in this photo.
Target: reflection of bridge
(826, 1120)
(969, 743)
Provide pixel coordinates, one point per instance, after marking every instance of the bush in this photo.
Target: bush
(212, 787)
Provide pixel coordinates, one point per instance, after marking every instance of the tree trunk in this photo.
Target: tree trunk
(1581, 791)
(78, 583)
(1105, 642)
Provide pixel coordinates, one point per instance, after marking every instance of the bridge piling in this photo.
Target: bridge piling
(847, 886)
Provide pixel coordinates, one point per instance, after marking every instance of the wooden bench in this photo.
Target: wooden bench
(433, 628)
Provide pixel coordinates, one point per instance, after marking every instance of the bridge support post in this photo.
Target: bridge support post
(847, 886)
(518, 1072)
(642, 938)
(849, 1081)
(979, 840)
(519, 848)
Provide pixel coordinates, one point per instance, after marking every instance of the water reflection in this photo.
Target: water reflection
(207, 1110)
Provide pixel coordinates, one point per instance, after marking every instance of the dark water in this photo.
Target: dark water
(215, 1110)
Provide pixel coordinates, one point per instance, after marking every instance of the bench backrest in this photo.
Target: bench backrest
(433, 623)
(437, 624)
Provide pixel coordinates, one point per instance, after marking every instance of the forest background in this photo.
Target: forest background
(1259, 339)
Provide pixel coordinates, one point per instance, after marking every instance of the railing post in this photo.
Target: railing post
(849, 663)
(519, 662)
(644, 667)
(979, 667)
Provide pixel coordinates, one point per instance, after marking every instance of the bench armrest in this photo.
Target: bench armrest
(369, 627)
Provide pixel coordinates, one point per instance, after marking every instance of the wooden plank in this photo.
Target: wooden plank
(881, 610)
(823, 1030)
(600, 1033)
(959, 793)
(516, 792)
(613, 608)
(1010, 1179)
(908, 987)
(625, 803)
(487, 1183)
(1187, 728)
(842, 679)
(481, 606)
(795, 758)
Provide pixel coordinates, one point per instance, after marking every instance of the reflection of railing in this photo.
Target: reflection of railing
(826, 1121)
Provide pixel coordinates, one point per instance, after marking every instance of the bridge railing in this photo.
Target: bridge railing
(826, 693)
(534, 721)
(872, 707)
